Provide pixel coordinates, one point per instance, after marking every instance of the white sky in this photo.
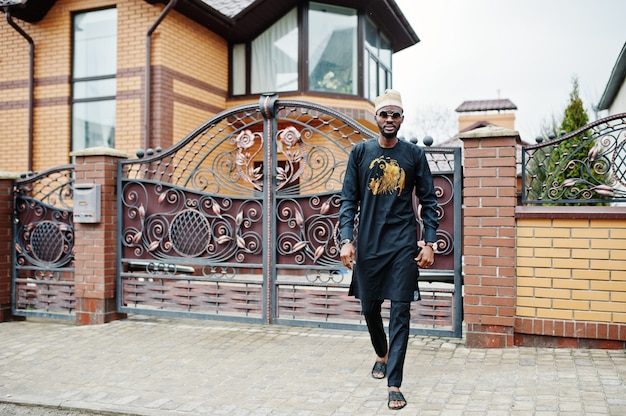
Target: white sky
(527, 50)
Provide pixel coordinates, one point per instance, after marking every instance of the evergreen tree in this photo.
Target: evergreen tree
(561, 171)
(568, 174)
(575, 114)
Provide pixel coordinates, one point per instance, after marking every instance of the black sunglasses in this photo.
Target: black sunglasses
(395, 115)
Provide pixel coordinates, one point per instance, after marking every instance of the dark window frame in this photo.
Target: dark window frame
(75, 80)
(363, 54)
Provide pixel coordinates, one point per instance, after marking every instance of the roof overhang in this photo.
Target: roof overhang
(260, 14)
(618, 75)
(6, 3)
(30, 11)
(499, 104)
(252, 20)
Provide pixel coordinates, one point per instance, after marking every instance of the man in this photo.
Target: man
(380, 178)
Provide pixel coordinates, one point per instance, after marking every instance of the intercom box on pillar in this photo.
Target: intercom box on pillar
(87, 203)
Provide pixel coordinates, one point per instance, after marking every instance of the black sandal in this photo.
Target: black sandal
(379, 368)
(396, 396)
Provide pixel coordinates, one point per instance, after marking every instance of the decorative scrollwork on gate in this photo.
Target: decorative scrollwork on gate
(44, 236)
(307, 229)
(165, 223)
(240, 218)
(249, 147)
(43, 240)
(587, 166)
(289, 143)
(190, 233)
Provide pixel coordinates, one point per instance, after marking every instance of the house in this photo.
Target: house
(614, 97)
(474, 114)
(139, 74)
(496, 114)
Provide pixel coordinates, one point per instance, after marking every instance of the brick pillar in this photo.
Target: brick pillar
(6, 243)
(489, 199)
(95, 245)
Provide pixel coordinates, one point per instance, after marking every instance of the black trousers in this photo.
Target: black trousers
(399, 322)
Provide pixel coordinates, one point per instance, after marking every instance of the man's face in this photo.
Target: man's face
(389, 120)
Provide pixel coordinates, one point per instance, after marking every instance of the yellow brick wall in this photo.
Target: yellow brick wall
(179, 44)
(197, 67)
(186, 47)
(571, 269)
(13, 139)
(134, 18)
(506, 120)
(14, 59)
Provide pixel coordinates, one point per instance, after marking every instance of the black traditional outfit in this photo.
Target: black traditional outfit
(379, 185)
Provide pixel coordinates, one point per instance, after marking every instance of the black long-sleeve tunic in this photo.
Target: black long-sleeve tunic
(380, 181)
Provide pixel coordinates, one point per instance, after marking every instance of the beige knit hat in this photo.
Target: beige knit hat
(390, 97)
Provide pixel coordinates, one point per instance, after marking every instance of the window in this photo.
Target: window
(238, 70)
(333, 49)
(275, 57)
(324, 58)
(93, 79)
(378, 61)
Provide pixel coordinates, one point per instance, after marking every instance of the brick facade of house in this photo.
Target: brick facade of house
(527, 280)
(189, 78)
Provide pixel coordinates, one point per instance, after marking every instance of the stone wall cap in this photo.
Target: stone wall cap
(101, 151)
(8, 175)
(489, 131)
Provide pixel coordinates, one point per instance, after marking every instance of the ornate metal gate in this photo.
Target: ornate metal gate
(43, 234)
(238, 221)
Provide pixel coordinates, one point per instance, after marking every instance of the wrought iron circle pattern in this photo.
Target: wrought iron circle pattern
(190, 233)
(47, 242)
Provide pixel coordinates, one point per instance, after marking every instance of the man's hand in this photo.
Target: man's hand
(426, 256)
(347, 255)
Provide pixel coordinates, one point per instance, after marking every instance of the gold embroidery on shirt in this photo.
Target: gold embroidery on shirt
(388, 176)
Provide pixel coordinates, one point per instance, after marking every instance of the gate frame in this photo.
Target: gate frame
(269, 286)
(267, 104)
(50, 190)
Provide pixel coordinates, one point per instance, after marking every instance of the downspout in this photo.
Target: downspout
(31, 85)
(148, 76)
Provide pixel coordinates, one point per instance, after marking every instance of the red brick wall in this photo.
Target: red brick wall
(95, 245)
(6, 239)
(489, 199)
(536, 276)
